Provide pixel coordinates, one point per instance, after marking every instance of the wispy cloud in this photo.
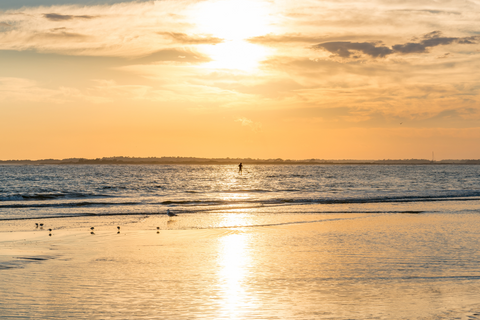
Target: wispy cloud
(59, 35)
(21, 89)
(64, 17)
(427, 11)
(254, 126)
(123, 29)
(183, 38)
(182, 55)
(283, 38)
(297, 38)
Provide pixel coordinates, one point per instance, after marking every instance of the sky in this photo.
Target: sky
(364, 79)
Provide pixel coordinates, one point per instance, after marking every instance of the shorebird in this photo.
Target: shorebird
(92, 228)
(36, 225)
(171, 214)
(158, 228)
(50, 230)
(41, 224)
(118, 228)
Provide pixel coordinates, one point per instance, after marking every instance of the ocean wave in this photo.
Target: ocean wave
(212, 202)
(51, 196)
(244, 191)
(193, 202)
(387, 199)
(66, 205)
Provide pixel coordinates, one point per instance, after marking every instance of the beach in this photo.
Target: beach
(264, 263)
(239, 159)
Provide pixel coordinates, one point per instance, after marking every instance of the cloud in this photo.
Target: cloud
(431, 39)
(273, 39)
(20, 89)
(183, 38)
(181, 55)
(433, 12)
(255, 126)
(282, 38)
(271, 88)
(124, 29)
(346, 49)
(63, 17)
(62, 35)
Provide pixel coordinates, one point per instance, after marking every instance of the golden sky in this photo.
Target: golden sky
(343, 79)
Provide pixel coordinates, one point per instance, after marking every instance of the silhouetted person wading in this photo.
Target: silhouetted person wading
(240, 166)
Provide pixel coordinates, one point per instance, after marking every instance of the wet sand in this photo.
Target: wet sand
(305, 266)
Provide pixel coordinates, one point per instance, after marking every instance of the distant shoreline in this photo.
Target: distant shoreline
(229, 161)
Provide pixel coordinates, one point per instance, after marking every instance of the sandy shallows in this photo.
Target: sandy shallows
(310, 266)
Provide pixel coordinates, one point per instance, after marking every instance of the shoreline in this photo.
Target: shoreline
(361, 266)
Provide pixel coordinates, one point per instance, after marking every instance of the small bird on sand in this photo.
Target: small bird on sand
(50, 230)
(92, 228)
(171, 214)
(36, 225)
(118, 228)
(41, 224)
(158, 228)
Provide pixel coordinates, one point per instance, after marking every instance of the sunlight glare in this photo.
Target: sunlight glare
(234, 260)
(234, 21)
(236, 54)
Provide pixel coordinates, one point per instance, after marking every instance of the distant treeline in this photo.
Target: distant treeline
(226, 161)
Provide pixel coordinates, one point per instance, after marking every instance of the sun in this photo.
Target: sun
(234, 21)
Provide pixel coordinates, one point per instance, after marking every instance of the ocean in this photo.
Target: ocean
(76, 190)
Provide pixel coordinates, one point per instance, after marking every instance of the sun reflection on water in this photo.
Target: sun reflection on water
(235, 263)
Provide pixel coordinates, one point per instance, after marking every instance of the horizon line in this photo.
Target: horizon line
(225, 159)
